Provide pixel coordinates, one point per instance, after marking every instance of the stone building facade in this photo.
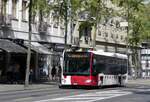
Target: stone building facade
(47, 38)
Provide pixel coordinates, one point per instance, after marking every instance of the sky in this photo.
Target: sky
(147, 1)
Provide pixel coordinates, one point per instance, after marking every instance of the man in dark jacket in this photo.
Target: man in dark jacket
(59, 73)
(53, 73)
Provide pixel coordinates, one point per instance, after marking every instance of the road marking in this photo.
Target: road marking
(22, 99)
(89, 97)
(138, 89)
(143, 90)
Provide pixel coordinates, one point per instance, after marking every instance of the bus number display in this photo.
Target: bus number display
(77, 56)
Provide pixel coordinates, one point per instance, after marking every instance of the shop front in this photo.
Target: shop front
(40, 61)
(1, 63)
(12, 62)
(55, 57)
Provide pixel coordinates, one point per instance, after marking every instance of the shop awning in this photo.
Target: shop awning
(39, 48)
(9, 46)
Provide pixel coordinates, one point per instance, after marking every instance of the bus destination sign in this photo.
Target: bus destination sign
(77, 55)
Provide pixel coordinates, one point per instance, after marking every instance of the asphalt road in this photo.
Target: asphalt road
(131, 93)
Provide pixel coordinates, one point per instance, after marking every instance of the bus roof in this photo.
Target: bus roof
(110, 54)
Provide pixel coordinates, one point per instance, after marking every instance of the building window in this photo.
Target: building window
(3, 7)
(117, 24)
(33, 18)
(117, 36)
(112, 36)
(106, 34)
(121, 37)
(14, 8)
(99, 33)
(24, 6)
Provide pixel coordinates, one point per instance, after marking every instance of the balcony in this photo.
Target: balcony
(75, 41)
(43, 27)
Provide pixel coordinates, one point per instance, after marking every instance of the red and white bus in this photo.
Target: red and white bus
(93, 68)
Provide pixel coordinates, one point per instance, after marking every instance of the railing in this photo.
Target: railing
(43, 27)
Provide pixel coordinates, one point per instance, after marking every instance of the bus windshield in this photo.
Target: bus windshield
(77, 64)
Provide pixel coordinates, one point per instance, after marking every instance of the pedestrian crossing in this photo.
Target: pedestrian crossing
(89, 97)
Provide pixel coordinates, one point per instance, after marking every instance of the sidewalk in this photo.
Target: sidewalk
(19, 87)
(139, 82)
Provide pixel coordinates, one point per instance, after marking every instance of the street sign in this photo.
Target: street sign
(123, 24)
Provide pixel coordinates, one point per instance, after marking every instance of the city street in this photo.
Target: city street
(135, 91)
(45, 44)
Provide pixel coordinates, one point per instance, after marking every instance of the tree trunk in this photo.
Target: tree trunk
(136, 62)
(94, 36)
(66, 22)
(29, 46)
(96, 24)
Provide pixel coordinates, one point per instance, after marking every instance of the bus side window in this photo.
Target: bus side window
(94, 62)
(100, 68)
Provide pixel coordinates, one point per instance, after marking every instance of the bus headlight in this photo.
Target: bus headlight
(64, 80)
(88, 81)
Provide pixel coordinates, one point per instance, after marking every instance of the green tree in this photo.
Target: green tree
(97, 11)
(132, 11)
(35, 7)
(42, 8)
(68, 10)
(29, 47)
(3, 7)
(145, 16)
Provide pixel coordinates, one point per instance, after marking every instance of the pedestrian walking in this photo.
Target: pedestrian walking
(16, 73)
(53, 72)
(31, 76)
(59, 73)
(10, 73)
(119, 79)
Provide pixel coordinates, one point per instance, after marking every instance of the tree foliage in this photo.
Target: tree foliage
(145, 16)
(137, 15)
(97, 10)
(73, 8)
(41, 6)
(134, 11)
